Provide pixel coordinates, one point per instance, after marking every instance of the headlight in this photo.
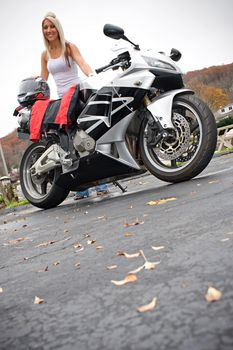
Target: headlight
(154, 62)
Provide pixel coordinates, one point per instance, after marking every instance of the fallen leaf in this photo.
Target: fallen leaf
(213, 294)
(38, 300)
(137, 270)
(56, 263)
(128, 279)
(16, 241)
(151, 265)
(136, 222)
(161, 201)
(128, 234)
(77, 265)
(99, 247)
(91, 241)
(1, 290)
(78, 246)
(45, 244)
(111, 267)
(130, 207)
(158, 247)
(214, 182)
(44, 270)
(147, 266)
(225, 239)
(129, 256)
(66, 231)
(148, 307)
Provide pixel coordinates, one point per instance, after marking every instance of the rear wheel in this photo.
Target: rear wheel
(40, 191)
(189, 147)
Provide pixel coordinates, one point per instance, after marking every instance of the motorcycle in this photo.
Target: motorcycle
(143, 119)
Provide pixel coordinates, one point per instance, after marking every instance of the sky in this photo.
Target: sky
(201, 29)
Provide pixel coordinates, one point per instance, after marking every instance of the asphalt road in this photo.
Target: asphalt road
(68, 256)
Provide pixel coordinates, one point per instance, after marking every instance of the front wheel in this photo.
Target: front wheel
(41, 191)
(187, 149)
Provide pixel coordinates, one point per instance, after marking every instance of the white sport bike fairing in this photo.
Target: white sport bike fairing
(142, 120)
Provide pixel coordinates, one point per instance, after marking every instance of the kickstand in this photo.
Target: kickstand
(123, 189)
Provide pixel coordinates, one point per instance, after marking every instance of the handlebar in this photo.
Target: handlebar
(101, 69)
(120, 61)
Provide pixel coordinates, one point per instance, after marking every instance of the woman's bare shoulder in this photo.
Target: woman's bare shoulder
(73, 47)
(44, 55)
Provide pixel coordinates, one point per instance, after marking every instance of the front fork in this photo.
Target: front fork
(161, 107)
(160, 125)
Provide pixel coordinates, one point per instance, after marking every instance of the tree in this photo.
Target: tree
(214, 97)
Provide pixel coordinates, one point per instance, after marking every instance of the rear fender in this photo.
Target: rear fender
(161, 107)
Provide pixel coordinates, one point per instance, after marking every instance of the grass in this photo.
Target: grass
(18, 204)
(13, 204)
(225, 150)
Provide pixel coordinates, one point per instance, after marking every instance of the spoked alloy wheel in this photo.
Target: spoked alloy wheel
(189, 147)
(40, 191)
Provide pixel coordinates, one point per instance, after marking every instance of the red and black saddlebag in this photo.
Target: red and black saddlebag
(48, 114)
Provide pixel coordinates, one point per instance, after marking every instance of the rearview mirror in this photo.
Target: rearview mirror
(113, 31)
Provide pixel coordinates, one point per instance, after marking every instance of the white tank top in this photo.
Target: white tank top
(64, 76)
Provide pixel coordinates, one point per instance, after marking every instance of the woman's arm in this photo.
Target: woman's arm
(44, 70)
(77, 57)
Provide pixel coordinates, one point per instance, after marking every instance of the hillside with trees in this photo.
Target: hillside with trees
(13, 149)
(214, 85)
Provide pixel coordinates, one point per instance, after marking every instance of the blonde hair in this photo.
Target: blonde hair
(52, 18)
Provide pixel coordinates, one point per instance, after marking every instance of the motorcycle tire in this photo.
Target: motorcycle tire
(188, 152)
(41, 191)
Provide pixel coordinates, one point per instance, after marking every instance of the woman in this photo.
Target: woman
(60, 59)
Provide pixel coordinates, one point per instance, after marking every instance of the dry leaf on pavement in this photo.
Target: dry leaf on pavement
(16, 241)
(111, 267)
(158, 247)
(151, 265)
(44, 270)
(213, 294)
(128, 234)
(137, 270)
(91, 241)
(99, 247)
(161, 201)
(136, 222)
(129, 256)
(1, 290)
(38, 300)
(128, 279)
(45, 244)
(148, 265)
(148, 307)
(225, 239)
(78, 246)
